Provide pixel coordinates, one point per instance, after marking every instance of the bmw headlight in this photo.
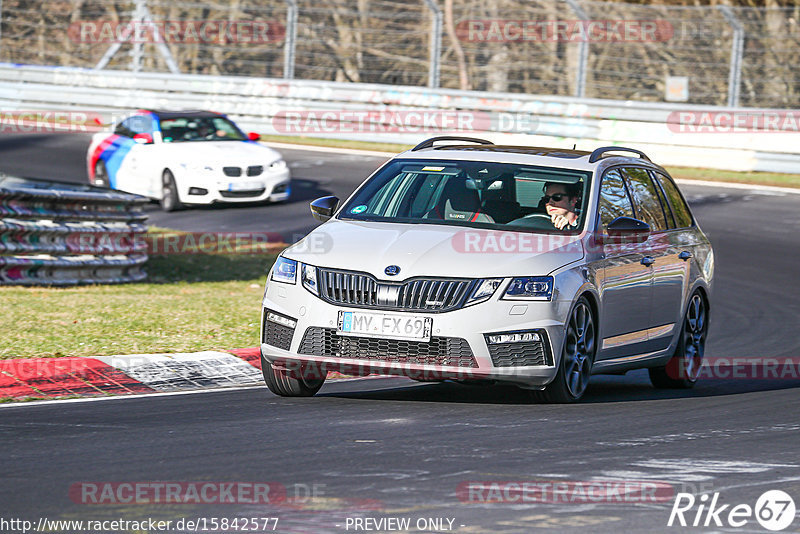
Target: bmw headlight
(530, 288)
(308, 276)
(484, 289)
(284, 270)
(277, 165)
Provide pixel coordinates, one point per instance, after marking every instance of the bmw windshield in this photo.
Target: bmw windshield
(185, 129)
(477, 194)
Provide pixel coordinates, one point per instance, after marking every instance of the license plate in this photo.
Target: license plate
(245, 186)
(390, 326)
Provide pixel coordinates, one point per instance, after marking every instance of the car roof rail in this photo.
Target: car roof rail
(598, 153)
(428, 143)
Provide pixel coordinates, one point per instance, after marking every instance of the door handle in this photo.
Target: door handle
(685, 255)
(647, 261)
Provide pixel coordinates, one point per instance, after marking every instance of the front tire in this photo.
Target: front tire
(577, 358)
(683, 368)
(304, 382)
(169, 192)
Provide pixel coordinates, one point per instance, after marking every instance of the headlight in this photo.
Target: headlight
(284, 270)
(308, 276)
(530, 288)
(484, 289)
(277, 165)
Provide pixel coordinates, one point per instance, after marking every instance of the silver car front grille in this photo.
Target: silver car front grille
(418, 294)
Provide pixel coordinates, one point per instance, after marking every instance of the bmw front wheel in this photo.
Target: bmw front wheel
(169, 192)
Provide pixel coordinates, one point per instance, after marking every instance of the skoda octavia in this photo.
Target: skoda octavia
(465, 260)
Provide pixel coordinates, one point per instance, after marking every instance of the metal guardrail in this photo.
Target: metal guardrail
(554, 120)
(65, 234)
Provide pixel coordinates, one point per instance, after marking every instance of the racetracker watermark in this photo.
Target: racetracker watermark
(750, 121)
(177, 493)
(564, 491)
(49, 121)
(564, 31)
(745, 368)
(221, 32)
(400, 121)
(509, 242)
(189, 243)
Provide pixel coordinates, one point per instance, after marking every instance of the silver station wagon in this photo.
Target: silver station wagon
(464, 260)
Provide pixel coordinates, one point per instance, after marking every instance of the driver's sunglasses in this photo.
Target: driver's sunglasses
(558, 197)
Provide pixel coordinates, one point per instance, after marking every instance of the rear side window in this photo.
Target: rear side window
(645, 198)
(614, 200)
(683, 217)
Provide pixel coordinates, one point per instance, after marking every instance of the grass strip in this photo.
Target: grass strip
(191, 303)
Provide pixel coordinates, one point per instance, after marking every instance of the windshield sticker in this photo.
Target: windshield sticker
(433, 169)
(359, 209)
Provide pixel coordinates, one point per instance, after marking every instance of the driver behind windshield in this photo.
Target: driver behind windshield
(560, 202)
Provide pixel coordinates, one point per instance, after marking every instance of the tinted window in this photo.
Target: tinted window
(645, 198)
(683, 217)
(664, 204)
(614, 200)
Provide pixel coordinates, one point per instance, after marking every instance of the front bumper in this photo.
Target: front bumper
(459, 337)
(272, 186)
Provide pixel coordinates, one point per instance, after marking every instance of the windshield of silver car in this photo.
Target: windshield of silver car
(478, 194)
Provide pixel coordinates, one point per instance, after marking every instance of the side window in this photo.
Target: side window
(614, 200)
(645, 198)
(664, 204)
(123, 128)
(134, 125)
(683, 217)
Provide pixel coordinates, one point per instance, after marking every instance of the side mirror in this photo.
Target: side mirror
(143, 138)
(253, 136)
(323, 208)
(627, 230)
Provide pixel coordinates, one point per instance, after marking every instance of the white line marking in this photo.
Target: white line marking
(10, 405)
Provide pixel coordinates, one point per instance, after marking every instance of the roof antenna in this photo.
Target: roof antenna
(574, 145)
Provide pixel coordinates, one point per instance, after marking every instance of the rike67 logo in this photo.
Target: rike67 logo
(774, 510)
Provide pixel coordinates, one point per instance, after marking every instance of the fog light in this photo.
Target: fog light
(281, 188)
(519, 337)
(198, 191)
(281, 320)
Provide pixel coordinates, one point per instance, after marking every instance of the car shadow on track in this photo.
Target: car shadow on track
(634, 387)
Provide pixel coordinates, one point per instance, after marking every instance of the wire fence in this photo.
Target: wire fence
(712, 55)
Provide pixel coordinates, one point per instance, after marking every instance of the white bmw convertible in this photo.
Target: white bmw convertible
(186, 157)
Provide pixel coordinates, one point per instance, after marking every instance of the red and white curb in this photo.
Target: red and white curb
(131, 374)
(48, 378)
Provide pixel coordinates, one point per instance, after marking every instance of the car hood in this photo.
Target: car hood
(222, 152)
(433, 250)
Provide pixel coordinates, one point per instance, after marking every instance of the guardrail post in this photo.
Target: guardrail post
(737, 51)
(291, 39)
(137, 52)
(583, 53)
(434, 68)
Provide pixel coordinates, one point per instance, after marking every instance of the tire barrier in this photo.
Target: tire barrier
(54, 233)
